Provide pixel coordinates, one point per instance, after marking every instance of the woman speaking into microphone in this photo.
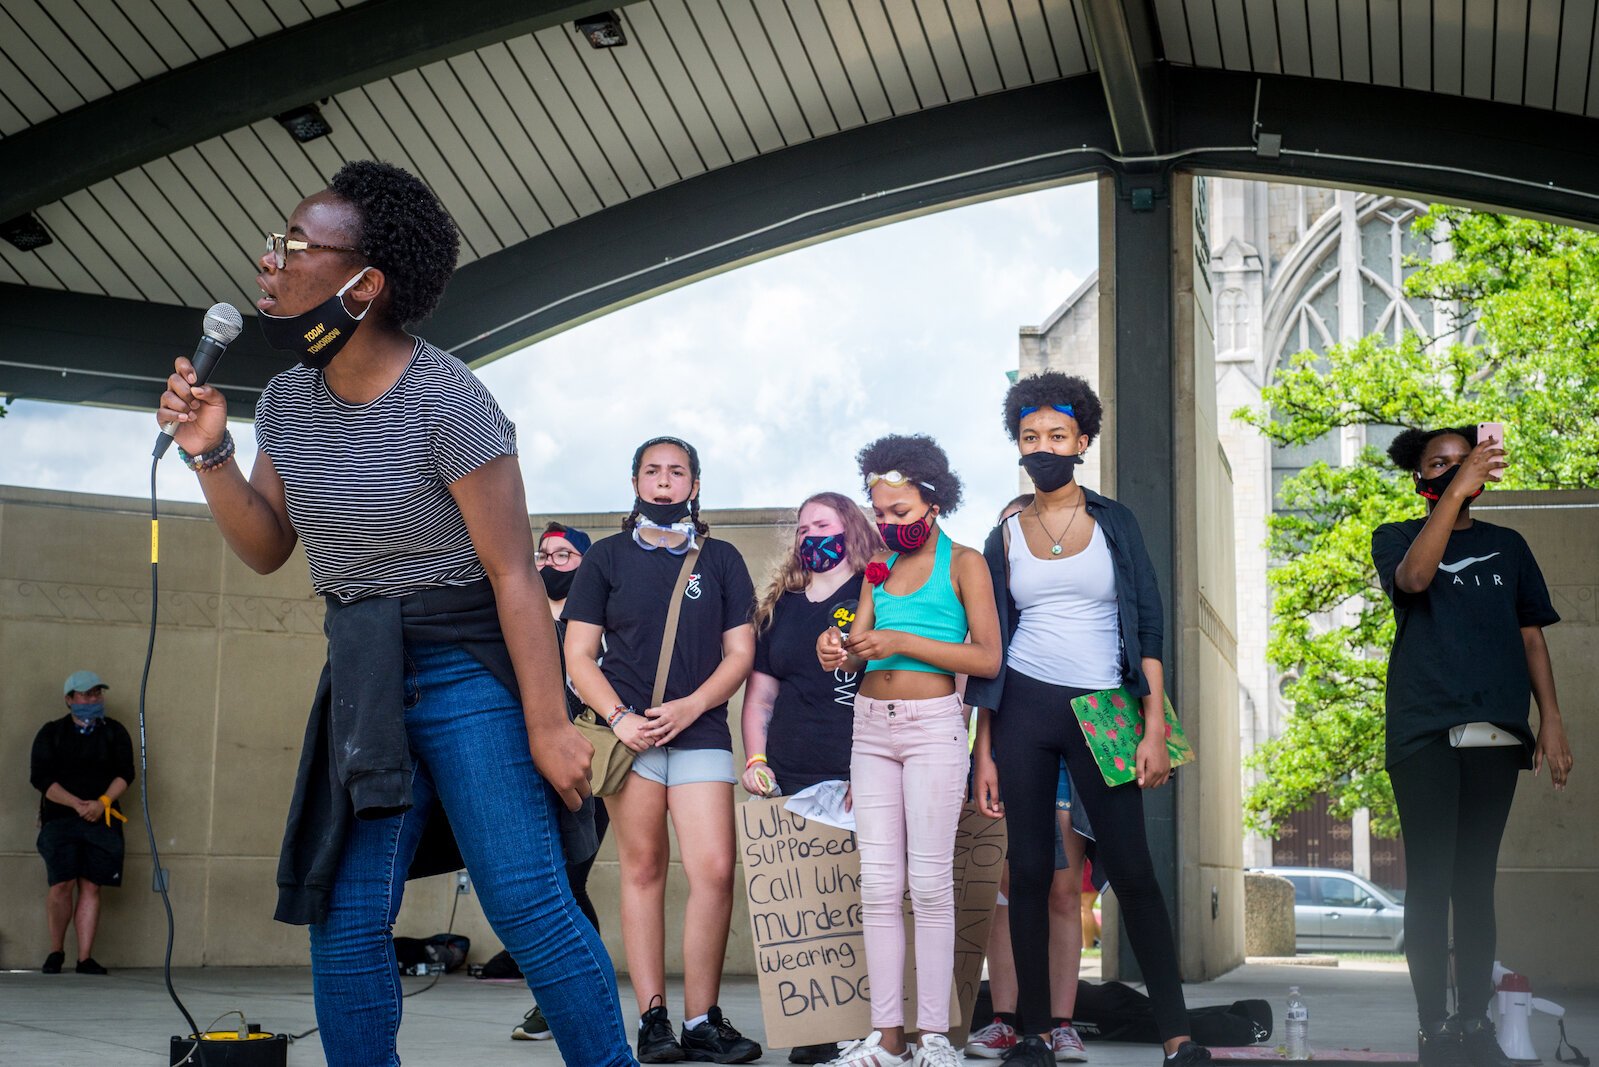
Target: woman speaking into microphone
(396, 469)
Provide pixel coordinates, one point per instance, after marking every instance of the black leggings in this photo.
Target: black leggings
(578, 873)
(1032, 730)
(1453, 803)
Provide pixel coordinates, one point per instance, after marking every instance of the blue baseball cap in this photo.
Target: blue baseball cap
(579, 540)
(82, 682)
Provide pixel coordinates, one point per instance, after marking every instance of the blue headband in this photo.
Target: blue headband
(1064, 409)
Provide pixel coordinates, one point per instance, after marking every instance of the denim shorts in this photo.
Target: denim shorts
(684, 766)
(1064, 804)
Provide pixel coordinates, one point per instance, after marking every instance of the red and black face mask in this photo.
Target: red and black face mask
(1433, 488)
(907, 537)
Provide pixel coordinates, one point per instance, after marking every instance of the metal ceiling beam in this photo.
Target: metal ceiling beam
(1476, 153)
(1127, 55)
(268, 76)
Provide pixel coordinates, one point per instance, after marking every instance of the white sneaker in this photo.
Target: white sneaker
(1067, 1045)
(936, 1051)
(867, 1052)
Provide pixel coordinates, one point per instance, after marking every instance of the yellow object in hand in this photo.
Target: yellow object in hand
(110, 811)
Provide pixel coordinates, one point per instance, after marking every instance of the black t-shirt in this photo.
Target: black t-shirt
(1458, 655)
(84, 765)
(624, 588)
(814, 714)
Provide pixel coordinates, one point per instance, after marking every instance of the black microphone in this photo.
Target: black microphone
(222, 324)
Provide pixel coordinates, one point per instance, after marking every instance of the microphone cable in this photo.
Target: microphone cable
(158, 873)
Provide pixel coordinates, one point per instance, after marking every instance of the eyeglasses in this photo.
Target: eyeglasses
(893, 478)
(280, 247)
(560, 557)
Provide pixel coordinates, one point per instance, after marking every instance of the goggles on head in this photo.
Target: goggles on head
(1064, 409)
(895, 479)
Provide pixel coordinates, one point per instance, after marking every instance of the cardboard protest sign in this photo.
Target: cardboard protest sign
(802, 879)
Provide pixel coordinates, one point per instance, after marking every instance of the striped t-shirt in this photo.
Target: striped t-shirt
(367, 485)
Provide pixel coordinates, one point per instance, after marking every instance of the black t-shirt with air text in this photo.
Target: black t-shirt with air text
(813, 717)
(624, 588)
(1458, 655)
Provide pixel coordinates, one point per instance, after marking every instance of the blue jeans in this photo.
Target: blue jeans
(470, 746)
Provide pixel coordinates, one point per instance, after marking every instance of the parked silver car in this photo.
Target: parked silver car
(1341, 911)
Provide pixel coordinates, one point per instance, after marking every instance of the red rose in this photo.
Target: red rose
(876, 572)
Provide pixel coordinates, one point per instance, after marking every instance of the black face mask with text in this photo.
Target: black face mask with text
(315, 336)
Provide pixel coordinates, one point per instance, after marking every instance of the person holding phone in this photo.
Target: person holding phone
(1470, 605)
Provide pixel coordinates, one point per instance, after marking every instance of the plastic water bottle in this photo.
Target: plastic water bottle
(1296, 1026)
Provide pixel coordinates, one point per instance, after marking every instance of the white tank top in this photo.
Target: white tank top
(1069, 631)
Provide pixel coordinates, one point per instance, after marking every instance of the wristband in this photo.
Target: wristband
(759, 757)
(617, 714)
(213, 459)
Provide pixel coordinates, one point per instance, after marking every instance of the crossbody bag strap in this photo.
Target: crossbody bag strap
(663, 666)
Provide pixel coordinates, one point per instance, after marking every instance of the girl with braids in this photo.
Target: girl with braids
(397, 471)
(684, 761)
(926, 616)
(797, 716)
(1470, 606)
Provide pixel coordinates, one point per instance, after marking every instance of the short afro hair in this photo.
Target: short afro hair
(405, 233)
(919, 458)
(1406, 449)
(1050, 388)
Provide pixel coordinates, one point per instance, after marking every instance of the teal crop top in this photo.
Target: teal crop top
(933, 612)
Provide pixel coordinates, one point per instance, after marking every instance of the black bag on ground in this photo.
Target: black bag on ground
(1113, 1011)
(500, 965)
(441, 950)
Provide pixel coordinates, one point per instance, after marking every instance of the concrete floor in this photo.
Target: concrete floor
(71, 1021)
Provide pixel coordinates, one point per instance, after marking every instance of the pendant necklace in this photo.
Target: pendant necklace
(1055, 548)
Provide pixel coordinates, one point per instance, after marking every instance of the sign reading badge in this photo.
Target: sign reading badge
(802, 879)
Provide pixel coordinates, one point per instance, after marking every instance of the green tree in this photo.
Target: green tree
(1532, 291)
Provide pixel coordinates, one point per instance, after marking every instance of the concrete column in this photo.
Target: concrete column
(1162, 459)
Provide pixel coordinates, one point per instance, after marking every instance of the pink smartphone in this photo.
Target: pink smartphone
(1494, 430)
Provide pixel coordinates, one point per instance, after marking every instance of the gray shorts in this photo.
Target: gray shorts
(684, 766)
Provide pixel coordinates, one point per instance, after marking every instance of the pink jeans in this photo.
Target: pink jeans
(908, 775)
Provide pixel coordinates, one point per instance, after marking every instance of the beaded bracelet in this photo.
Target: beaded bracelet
(213, 459)
(618, 714)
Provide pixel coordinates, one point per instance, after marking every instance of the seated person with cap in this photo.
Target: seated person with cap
(82, 762)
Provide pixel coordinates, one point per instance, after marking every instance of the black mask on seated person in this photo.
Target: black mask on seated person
(557, 584)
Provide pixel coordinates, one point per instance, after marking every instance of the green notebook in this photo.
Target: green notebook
(1113, 725)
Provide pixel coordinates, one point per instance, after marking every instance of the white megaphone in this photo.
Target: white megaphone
(1513, 1007)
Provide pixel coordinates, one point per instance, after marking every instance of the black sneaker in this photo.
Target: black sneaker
(656, 1042)
(1479, 1044)
(1189, 1054)
(1030, 1051)
(88, 966)
(716, 1041)
(1438, 1045)
(826, 1052)
(53, 962)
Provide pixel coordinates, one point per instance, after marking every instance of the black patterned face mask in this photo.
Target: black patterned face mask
(907, 537)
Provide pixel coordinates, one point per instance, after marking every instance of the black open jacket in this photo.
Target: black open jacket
(1137, 596)
(356, 759)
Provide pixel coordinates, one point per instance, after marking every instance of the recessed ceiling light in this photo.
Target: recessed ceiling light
(25, 232)
(603, 30)
(304, 123)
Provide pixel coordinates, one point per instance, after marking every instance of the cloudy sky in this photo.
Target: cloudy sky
(778, 372)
